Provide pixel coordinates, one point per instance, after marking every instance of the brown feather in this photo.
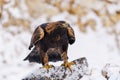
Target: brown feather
(71, 35)
(50, 41)
(38, 34)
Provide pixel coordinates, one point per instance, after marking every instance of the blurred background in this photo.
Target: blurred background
(96, 24)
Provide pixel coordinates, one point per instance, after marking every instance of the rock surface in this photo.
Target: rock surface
(60, 72)
(111, 72)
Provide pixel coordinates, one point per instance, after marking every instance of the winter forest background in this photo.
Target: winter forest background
(96, 24)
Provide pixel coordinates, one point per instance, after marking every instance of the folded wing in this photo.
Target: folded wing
(71, 35)
(38, 34)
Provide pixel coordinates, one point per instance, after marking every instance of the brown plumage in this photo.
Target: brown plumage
(50, 41)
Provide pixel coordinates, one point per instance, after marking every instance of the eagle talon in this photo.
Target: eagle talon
(48, 66)
(68, 65)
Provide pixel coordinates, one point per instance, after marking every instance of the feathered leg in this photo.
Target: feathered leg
(66, 63)
(45, 62)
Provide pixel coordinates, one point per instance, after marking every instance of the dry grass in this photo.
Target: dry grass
(37, 8)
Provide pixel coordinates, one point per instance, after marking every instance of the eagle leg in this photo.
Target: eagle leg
(46, 65)
(66, 63)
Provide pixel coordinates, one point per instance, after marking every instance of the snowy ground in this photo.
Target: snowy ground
(97, 46)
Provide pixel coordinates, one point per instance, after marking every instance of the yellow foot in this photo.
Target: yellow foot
(48, 66)
(68, 65)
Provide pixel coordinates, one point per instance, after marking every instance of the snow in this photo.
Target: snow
(98, 47)
(79, 69)
(92, 45)
(112, 8)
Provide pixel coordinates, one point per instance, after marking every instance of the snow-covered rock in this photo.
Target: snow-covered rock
(78, 70)
(111, 72)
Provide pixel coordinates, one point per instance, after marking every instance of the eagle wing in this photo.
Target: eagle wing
(71, 35)
(38, 34)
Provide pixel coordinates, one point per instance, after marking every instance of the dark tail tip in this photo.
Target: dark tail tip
(25, 59)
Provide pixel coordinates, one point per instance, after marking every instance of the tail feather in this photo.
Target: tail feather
(34, 56)
(25, 58)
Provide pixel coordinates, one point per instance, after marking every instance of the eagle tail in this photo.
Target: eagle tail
(33, 56)
(25, 58)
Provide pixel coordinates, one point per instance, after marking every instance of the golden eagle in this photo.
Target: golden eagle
(50, 41)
